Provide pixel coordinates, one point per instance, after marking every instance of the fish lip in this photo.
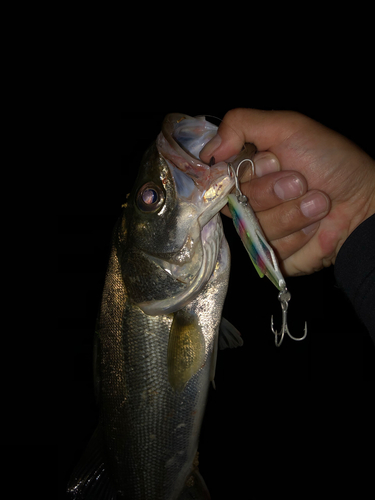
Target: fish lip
(205, 177)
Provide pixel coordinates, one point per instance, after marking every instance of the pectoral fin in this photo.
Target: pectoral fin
(186, 349)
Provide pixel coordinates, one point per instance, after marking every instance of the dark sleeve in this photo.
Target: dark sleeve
(355, 272)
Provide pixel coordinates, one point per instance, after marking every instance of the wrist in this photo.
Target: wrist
(363, 202)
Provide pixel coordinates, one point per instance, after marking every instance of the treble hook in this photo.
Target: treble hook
(284, 297)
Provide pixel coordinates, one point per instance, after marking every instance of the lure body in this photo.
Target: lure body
(260, 252)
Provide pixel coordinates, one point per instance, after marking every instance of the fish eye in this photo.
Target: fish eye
(150, 197)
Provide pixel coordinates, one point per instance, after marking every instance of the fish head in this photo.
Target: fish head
(205, 186)
(172, 212)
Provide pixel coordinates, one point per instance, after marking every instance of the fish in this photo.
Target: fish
(157, 332)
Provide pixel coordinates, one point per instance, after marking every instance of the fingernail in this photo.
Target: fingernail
(211, 146)
(266, 165)
(315, 204)
(288, 188)
(312, 227)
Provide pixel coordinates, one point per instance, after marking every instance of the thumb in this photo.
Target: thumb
(265, 129)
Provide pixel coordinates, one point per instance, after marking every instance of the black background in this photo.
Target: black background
(274, 409)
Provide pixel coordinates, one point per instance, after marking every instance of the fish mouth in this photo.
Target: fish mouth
(180, 142)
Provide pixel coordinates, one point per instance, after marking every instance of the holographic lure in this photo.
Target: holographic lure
(261, 253)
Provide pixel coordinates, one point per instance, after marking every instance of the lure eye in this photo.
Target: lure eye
(150, 197)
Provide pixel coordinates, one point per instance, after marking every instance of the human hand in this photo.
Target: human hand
(313, 186)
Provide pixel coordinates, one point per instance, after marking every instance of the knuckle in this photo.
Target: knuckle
(233, 114)
(261, 194)
(289, 216)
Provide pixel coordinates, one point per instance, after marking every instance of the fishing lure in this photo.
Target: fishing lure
(261, 253)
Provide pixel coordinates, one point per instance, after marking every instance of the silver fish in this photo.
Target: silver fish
(157, 332)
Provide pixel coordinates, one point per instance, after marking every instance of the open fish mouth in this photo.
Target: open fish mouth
(180, 142)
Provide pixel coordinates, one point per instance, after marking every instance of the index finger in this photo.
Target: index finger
(265, 129)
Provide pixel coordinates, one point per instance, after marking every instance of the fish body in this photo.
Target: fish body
(157, 331)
